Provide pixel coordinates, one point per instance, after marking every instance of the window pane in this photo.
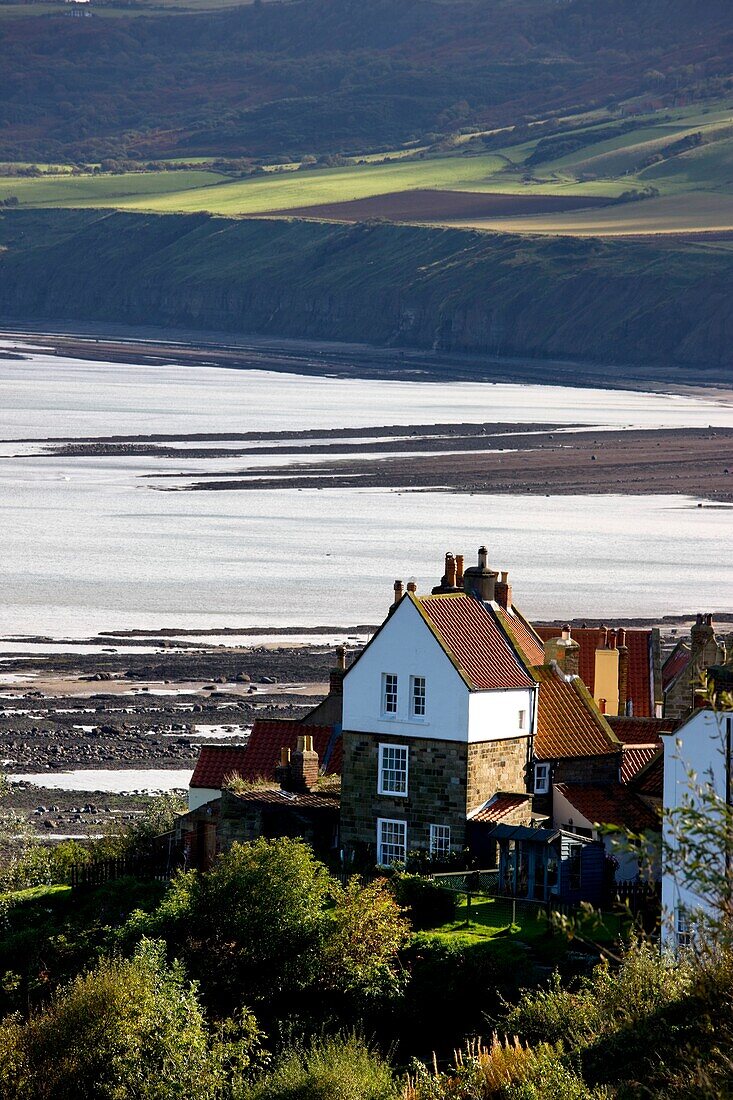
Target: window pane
(439, 840)
(419, 696)
(393, 769)
(392, 842)
(390, 694)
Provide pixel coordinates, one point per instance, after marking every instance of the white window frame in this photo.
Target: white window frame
(522, 721)
(397, 827)
(415, 698)
(384, 750)
(391, 679)
(682, 927)
(542, 779)
(439, 840)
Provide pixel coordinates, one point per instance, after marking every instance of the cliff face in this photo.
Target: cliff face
(616, 302)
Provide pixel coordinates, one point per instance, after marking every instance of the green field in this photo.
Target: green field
(695, 185)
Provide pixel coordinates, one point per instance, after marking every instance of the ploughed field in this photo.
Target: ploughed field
(432, 206)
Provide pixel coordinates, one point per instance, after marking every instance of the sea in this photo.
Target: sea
(91, 544)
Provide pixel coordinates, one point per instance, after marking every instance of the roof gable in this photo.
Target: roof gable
(568, 721)
(472, 640)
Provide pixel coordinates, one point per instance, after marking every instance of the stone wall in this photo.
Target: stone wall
(496, 766)
(446, 779)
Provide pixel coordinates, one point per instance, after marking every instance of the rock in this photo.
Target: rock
(242, 678)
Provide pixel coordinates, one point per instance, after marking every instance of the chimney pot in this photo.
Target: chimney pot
(450, 571)
(483, 556)
(459, 570)
(411, 586)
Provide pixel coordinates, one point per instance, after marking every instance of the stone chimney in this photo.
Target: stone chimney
(448, 580)
(704, 650)
(623, 672)
(303, 766)
(336, 676)
(564, 651)
(503, 591)
(479, 581)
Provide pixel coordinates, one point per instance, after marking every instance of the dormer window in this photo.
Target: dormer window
(541, 778)
(389, 693)
(418, 696)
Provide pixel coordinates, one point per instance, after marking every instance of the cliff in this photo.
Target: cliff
(656, 304)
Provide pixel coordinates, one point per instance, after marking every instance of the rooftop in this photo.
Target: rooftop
(640, 687)
(568, 721)
(261, 755)
(641, 731)
(499, 807)
(472, 639)
(609, 804)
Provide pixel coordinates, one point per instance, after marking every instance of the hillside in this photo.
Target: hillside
(325, 76)
(655, 305)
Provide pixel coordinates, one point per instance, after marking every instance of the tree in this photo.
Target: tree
(366, 931)
(253, 924)
(127, 1029)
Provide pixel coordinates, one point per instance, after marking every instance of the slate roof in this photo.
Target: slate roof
(568, 721)
(634, 758)
(499, 806)
(641, 731)
(641, 666)
(473, 641)
(609, 804)
(314, 800)
(522, 635)
(261, 755)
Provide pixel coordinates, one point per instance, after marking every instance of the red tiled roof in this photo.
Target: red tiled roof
(568, 721)
(641, 731)
(499, 806)
(609, 804)
(641, 673)
(215, 763)
(650, 779)
(522, 635)
(634, 758)
(261, 755)
(472, 639)
(677, 661)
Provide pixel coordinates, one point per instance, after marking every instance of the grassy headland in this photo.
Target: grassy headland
(623, 302)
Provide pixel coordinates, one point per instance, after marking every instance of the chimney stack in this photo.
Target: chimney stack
(623, 673)
(564, 652)
(448, 580)
(398, 594)
(479, 581)
(336, 676)
(411, 586)
(304, 766)
(503, 591)
(459, 570)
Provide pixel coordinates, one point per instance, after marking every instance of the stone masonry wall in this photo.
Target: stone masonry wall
(446, 779)
(495, 766)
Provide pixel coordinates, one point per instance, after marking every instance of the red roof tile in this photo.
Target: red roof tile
(677, 661)
(472, 639)
(499, 806)
(649, 780)
(609, 804)
(634, 758)
(522, 635)
(568, 721)
(641, 731)
(215, 763)
(313, 800)
(641, 672)
(261, 755)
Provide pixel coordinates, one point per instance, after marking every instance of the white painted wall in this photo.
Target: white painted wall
(197, 796)
(494, 715)
(407, 647)
(699, 746)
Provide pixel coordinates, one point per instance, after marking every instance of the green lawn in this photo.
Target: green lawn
(65, 190)
(36, 893)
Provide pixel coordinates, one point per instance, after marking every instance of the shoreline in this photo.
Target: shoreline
(113, 342)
